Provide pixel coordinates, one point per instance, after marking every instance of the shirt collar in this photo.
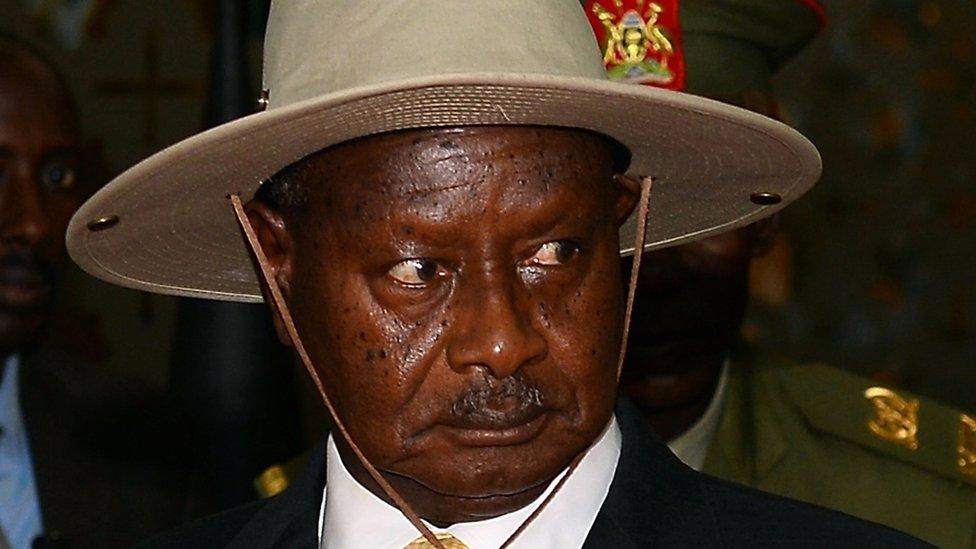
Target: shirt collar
(691, 446)
(12, 436)
(357, 518)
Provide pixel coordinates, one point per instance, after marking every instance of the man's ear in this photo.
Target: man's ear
(278, 246)
(764, 236)
(628, 195)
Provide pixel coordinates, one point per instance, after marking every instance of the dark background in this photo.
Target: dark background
(883, 250)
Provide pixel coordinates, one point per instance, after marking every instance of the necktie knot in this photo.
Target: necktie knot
(449, 542)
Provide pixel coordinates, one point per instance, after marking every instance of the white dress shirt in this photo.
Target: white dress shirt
(691, 447)
(20, 512)
(360, 519)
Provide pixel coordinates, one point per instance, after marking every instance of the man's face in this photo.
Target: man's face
(688, 311)
(689, 307)
(38, 193)
(459, 292)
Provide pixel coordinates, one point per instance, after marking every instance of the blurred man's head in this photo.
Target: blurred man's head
(691, 299)
(39, 187)
(690, 305)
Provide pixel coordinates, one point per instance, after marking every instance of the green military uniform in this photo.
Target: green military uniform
(803, 432)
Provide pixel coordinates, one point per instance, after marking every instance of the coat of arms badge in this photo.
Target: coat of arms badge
(641, 40)
(895, 417)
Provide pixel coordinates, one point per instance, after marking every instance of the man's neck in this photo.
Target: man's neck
(692, 445)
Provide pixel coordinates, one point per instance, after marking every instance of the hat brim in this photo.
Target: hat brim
(176, 233)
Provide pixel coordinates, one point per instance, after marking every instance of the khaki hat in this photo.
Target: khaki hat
(336, 70)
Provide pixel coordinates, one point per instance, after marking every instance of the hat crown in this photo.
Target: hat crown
(317, 47)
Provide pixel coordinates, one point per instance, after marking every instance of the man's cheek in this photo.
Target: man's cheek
(383, 353)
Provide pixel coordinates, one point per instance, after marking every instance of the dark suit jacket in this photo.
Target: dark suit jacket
(110, 464)
(654, 501)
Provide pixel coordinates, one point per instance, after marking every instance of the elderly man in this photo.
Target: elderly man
(799, 431)
(77, 468)
(437, 233)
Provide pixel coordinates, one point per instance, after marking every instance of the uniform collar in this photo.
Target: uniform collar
(352, 516)
(655, 499)
(747, 417)
(691, 446)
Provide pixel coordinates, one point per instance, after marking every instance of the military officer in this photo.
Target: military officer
(810, 432)
(437, 227)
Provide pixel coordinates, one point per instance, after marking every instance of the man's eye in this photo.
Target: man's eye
(57, 176)
(416, 272)
(557, 252)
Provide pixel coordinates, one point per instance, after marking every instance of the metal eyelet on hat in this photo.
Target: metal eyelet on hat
(765, 199)
(103, 223)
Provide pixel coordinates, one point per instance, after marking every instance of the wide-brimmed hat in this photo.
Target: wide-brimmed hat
(336, 70)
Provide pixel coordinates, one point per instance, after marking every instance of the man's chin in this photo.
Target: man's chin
(494, 478)
(24, 299)
(469, 500)
(671, 376)
(463, 484)
(664, 391)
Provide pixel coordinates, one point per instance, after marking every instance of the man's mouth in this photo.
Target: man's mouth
(22, 286)
(647, 348)
(504, 413)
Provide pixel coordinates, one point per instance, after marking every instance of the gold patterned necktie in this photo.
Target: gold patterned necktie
(449, 541)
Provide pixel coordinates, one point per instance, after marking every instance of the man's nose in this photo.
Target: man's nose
(493, 332)
(22, 216)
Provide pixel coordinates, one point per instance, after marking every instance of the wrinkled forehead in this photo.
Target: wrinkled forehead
(471, 178)
(458, 170)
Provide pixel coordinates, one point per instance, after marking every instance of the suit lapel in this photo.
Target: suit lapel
(51, 445)
(654, 499)
(606, 532)
(289, 520)
(105, 467)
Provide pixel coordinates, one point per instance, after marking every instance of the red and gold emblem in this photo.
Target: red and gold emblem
(641, 40)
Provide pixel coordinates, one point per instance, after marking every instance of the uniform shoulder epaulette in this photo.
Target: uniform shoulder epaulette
(921, 431)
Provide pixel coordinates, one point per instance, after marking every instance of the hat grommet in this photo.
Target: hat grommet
(102, 223)
(765, 198)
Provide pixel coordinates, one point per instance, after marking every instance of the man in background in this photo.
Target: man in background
(86, 459)
(810, 432)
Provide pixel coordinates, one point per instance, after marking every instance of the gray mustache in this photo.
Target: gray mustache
(477, 400)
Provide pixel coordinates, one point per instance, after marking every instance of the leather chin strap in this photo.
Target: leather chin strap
(281, 307)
